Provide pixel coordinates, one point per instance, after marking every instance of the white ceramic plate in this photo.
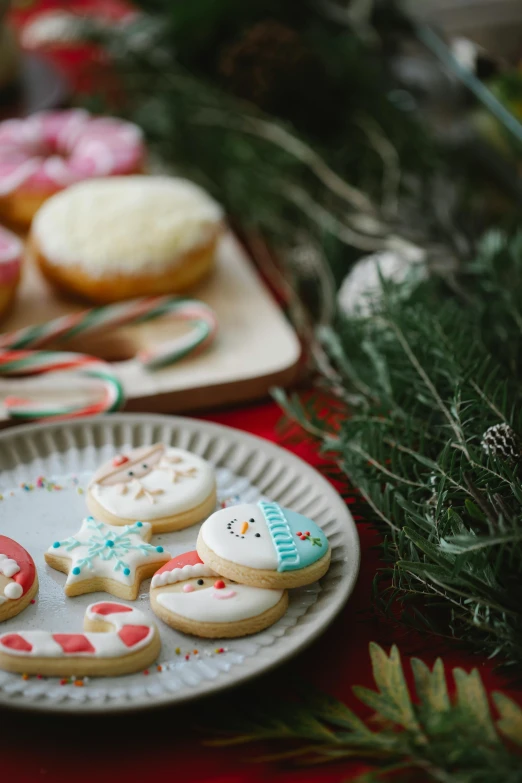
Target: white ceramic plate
(247, 468)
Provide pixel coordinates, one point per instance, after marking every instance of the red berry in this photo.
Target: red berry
(307, 533)
(299, 533)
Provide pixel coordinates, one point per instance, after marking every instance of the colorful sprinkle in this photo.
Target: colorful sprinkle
(25, 676)
(177, 651)
(80, 491)
(159, 667)
(78, 683)
(146, 671)
(64, 682)
(159, 549)
(187, 656)
(33, 601)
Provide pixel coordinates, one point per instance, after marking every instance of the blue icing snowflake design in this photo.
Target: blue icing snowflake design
(107, 550)
(298, 541)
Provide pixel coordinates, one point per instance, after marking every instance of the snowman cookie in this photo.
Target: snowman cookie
(117, 639)
(264, 545)
(18, 578)
(167, 487)
(107, 557)
(187, 595)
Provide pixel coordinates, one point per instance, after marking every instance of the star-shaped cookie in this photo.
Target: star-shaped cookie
(108, 558)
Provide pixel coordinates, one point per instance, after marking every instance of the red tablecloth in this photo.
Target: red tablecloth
(163, 745)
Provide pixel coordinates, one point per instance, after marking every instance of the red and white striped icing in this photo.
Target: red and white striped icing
(131, 631)
(54, 149)
(25, 574)
(186, 566)
(11, 250)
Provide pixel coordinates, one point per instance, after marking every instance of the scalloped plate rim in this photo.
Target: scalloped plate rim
(235, 676)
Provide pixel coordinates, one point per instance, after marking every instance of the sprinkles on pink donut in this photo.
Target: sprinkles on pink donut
(48, 151)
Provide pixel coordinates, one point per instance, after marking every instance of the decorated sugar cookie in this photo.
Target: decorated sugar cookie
(168, 487)
(118, 639)
(18, 578)
(187, 595)
(106, 557)
(264, 545)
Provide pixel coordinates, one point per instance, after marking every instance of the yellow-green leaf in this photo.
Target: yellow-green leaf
(472, 697)
(389, 678)
(510, 722)
(431, 685)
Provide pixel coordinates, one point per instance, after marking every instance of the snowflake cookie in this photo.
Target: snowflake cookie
(108, 558)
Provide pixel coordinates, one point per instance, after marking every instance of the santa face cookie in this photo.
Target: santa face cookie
(118, 640)
(106, 557)
(264, 545)
(168, 487)
(18, 578)
(187, 595)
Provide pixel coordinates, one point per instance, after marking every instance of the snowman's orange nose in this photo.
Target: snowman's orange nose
(244, 528)
(219, 585)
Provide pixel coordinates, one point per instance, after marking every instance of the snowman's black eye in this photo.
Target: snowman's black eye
(130, 473)
(252, 521)
(200, 582)
(258, 535)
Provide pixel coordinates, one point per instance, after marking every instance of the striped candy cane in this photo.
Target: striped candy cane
(27, 363)
(199, 315)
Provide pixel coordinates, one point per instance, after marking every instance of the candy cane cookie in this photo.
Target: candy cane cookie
(11, 252)
(18, 578)
(190, 597)
(46, 152)
(118, 238)
(118, 639)
(165, 486)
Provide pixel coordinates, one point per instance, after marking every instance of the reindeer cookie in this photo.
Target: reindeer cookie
(118, 639)
(18, 578)
(106, 557)
(187, 595)
(167, 487)
(264, 545)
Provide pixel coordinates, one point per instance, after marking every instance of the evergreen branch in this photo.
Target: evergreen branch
(425, 732)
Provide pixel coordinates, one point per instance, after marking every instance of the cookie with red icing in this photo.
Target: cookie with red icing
(117, 639)
(190, 597)
(18, 578)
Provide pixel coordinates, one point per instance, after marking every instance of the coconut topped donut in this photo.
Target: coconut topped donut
(113, 238)
(51, 150)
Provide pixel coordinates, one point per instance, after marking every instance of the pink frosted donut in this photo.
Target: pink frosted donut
(49, 151)
(11, 251)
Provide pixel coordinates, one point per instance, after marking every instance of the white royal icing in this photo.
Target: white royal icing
(230, 604)
(109, 551)
(13, 591)
(106, 644)
(181, 574)
(8, 567)
(131, 224)
(169, 489)
(222, 533)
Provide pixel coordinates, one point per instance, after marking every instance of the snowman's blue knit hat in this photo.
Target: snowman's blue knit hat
(277, 523)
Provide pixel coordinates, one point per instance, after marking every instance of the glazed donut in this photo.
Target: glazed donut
(121, 237)
(46, 152)
(11, 251)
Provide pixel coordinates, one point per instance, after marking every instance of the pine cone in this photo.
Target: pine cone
(502, 441)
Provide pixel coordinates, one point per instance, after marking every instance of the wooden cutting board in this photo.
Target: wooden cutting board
(256, 347)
